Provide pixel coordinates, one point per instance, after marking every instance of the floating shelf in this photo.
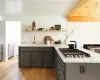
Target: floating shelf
(46, 31)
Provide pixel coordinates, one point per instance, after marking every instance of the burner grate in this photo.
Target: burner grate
(74, 53)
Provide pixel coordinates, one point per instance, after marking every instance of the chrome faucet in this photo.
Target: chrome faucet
(34, 40)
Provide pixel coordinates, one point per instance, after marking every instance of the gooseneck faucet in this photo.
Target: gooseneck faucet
(75, 43)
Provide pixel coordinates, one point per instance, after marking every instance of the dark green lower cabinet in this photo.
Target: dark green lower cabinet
(47, 59)
(25, 59)
(59, 66)
(60, 76)
(55, 58)
(36, 59)
(1, 52)
(1, 56)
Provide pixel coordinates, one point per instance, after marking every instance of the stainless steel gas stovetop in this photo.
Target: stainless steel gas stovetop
(73, 53)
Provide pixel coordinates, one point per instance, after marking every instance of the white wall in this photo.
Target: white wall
(44, 22)
(1, 32)
(1, 18)
(85, 32)
(2, 35)
(28, 37)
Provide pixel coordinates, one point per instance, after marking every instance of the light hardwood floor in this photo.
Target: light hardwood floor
(9, 71)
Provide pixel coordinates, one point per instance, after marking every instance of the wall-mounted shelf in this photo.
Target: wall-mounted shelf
(46, 31)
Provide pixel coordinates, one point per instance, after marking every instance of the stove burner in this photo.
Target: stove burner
(73, 53)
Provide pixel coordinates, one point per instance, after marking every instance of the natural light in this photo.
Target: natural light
(13, 7)
(13, 36)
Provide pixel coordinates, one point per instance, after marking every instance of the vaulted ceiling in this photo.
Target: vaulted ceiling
(86, 8)
(36, 7)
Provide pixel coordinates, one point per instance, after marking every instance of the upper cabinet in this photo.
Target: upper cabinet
(85, 11)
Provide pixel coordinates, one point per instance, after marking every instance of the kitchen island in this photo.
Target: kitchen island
(66, 68)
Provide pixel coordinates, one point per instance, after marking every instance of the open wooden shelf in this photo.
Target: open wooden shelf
(46, 31)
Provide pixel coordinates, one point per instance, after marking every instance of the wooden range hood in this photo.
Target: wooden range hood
(85, 11)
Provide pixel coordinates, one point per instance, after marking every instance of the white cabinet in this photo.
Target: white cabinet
(82, 71)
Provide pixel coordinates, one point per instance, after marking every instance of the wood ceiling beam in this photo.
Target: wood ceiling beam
(83, 19)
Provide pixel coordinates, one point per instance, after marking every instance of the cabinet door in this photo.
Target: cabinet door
(47, 59)
(59, 73)
(60, 76)
(92, 71)
(73, 72)
(1, 56)
(89, 71)
(55, 59)
(36, 59)
(24, 59)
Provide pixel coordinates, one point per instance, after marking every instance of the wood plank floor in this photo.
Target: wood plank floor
(9, 71)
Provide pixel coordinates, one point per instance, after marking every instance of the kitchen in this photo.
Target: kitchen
(66, 60)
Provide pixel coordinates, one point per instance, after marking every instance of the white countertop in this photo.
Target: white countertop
(95, 57)
(42, 45)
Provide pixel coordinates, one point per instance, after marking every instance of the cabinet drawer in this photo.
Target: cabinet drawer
(31, 49)
(48, 49)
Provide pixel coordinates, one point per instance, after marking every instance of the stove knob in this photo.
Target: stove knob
(74, 56)
(78, 55)
(88, 55)
(83, 56)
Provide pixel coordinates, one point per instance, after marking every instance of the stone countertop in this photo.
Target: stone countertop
(95, 57)
(42, 45)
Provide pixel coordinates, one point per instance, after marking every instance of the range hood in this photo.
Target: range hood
(85, 11)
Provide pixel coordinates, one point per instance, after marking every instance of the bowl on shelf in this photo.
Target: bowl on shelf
(41, 29)
(57, 27)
